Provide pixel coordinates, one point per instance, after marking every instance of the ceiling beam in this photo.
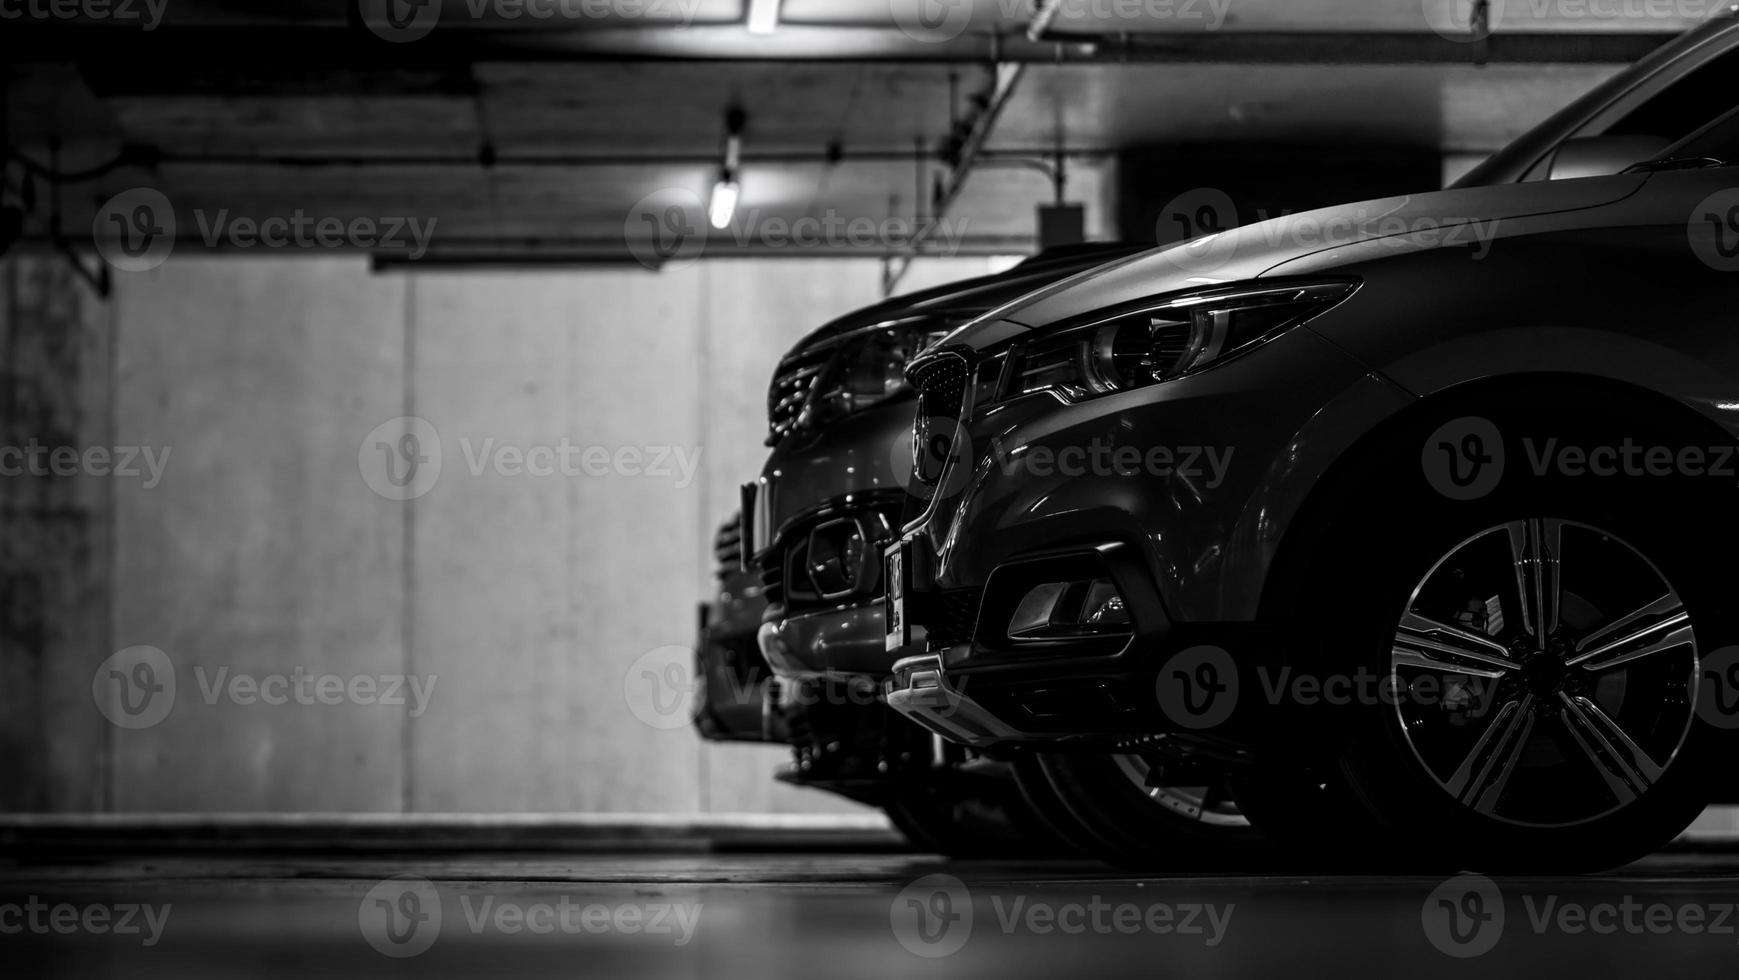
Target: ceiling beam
(350, 48)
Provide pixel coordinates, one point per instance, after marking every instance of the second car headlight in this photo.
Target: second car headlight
(1157, 340)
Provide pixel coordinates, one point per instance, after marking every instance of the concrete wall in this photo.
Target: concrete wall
(264, 553)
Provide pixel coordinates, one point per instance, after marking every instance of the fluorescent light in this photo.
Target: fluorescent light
(724, 203)
(763, 16)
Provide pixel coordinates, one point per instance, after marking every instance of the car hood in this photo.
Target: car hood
(1438, 219)
(968, 297)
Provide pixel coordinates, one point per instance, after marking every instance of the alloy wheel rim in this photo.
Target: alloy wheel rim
(1211, 805)
(1544, 673)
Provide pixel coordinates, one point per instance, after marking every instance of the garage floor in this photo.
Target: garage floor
(784, 914)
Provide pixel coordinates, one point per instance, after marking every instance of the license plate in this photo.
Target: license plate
(894, 604)
(751, 526)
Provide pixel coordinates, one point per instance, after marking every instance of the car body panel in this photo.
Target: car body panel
(1250, 251)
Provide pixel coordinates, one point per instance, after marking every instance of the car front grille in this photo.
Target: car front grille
(941, 381)
(793, 383)
(728, 546)
(773, 580)
(953, 617)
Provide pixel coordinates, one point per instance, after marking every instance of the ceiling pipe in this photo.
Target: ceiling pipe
(825, 157)
(1042, 17)
(217, 50)
(1005, 80)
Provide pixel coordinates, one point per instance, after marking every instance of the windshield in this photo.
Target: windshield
(1702, 69)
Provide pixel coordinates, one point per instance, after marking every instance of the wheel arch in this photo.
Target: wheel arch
(1390, 440)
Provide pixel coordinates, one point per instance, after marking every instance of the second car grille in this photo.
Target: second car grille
(797, 576)
(728, 545)
(792, 385)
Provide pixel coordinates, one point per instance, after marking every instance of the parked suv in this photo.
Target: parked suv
(1412, 513)
(728, 663)
(832, 494)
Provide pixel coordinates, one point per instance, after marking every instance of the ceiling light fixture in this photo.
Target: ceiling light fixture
(763, 16)
(723, 206)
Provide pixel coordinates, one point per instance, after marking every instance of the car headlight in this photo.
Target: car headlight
(864, 369)
(1160, 339)
(870, 369)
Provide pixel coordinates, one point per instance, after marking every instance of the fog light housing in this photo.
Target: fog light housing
(1058, 610)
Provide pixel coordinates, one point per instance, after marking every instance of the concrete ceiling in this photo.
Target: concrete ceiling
(540, 136)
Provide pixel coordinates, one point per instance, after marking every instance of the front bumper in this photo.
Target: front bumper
(1188, 547)
(919, 691)
(846, 640)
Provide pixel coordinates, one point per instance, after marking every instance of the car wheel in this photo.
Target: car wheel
(1133, 810)
(1552, 672)
(1539, 651)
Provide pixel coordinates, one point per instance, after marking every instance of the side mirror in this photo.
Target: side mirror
(1602, 156)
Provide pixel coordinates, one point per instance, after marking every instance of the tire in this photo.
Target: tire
(1508, 741)
(1046, 806)
(1126, 819)
(973, 816)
